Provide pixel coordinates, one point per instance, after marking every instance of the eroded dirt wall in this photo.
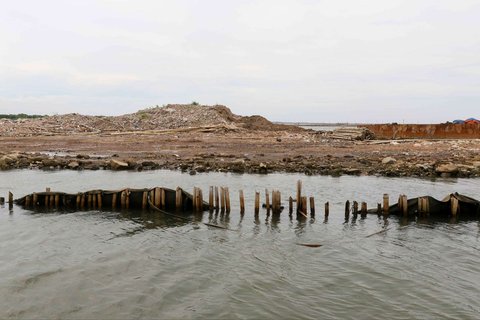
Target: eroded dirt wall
(425, 131)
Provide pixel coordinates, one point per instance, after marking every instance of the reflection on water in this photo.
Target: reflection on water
(144, 264)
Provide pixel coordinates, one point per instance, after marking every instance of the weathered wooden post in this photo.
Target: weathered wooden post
(200, 200)
(100, 201)
(82, 201)
(257, 202)
(210, 198)
(217, 201)
(144, 200)
(290, 205)
(363, 210)
(355, 208)
(423, 205)
(114, 200)
(57, 200)
(157, 195)
(454, 205)
(178, 199)
(379, 208)
(28, 201)
(267, 201)
(312, 207)
(327, 209)
(242, 202)
(304, 205)
(163, 198)
(222, 199)
(227, 200)
(386, 206)
(347, 210)
(2, 201)
(123, 199)
(35, 199)
(403, 204)
(89, 201)
(10, 197)
(127, 200)
(299, 195)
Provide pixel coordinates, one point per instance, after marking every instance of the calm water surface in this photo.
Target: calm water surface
(124, 265)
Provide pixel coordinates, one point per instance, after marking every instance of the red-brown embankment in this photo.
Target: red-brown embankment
(425, 131)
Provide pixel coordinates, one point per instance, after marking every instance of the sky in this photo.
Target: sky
(375, 61)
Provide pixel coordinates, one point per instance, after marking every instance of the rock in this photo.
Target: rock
(192, 172)
(73, 165)
(49, 163)
(388, 160)
(449, 168)
(6, 162)
(118, 165)
(83, 156)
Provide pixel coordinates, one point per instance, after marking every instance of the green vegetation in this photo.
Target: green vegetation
(195, 103)
(21, 116)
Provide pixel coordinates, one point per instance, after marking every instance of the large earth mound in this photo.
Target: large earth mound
(172, 116)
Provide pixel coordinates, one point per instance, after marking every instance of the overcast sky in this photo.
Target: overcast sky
(301, 60)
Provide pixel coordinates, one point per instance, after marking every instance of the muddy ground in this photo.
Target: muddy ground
(242, 151)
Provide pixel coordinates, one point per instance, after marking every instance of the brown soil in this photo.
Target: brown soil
(226, 142)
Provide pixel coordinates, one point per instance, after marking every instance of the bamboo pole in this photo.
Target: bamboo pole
(257, 202)
(242, 202)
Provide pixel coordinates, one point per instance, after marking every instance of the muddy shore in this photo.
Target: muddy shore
(241, 150)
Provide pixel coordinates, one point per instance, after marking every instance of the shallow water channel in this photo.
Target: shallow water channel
(124, 265)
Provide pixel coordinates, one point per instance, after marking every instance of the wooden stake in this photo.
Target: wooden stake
(82, 202)
(114, 200)
(327, 209)
(210, 198)
(290, 205)
(299, 195)
(257, 202)
(28, 201)
(144, 200)
(47, 189)
(242, 202)
(386, 206)
(454, 205)
(178, 199)
(347, 210)
(99, 200)
(127, 199)
(364, 209)
(227, 199)
(222, 199)
(52, 200)
(157, 197)
(35, 199)
(355, 208)
(10, 197)
(267, 201)
(304, 206)
(379, 208)
(57, 200)
(217, 201)
(312, 206)
(200, 200)
(123, 199)
(163, 199)
(403, 204)
(89, 201)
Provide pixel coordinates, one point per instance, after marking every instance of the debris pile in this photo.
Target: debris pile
(172, 116)
(351, 133)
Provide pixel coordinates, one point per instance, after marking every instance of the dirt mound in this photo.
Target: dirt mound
(172, 116)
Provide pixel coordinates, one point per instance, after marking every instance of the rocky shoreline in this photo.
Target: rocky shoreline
(329, 165)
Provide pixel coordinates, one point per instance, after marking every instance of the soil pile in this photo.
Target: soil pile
(172, 116)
